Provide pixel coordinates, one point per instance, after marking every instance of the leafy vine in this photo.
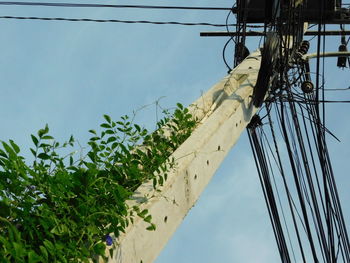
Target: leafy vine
(62, 208)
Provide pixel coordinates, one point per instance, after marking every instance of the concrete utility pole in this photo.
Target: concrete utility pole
(225, 111)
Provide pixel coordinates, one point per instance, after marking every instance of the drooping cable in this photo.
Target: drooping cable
(309, 178)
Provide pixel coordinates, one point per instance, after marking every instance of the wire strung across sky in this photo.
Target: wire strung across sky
(115, 6)
(113, 21)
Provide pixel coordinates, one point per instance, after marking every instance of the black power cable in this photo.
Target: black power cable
(306, 154)
(264, 176)
(114, 6)
(111, 21)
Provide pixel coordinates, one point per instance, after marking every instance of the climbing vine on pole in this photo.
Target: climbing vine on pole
(66, 206)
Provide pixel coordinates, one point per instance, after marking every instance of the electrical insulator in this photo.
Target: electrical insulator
(303, 49)
(307, 87)
(341, 63)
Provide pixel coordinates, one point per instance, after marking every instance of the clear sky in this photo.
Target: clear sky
(68, 74)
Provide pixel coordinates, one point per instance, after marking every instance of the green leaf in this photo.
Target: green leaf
(47, 137)
(136, 208)
(107, 118)
(43, 156)
(148, 219)
(121, 129)
(5, 242)
(111, 139)
(44, 252)
(180, 106)
(19, 249)
(50, 247)
(152, 227)
(154, 183)
(33, 152)
(99, 248)
(137, 127)
(35, 140)
(115, 145)
(2, 153)
(124, 149)
(106, 125)
(109, 132)
(33, 257)
(56, 230)
(44, 131)
(111, 250)
(93, 132)
(143, 213)
(9, 150)
(161, 181)
(125, 117)
(4, 209)
(14, 146)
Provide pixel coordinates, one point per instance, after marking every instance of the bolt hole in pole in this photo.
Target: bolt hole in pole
(207, 162)
(219, 148)
(195, 177)
(165, 219)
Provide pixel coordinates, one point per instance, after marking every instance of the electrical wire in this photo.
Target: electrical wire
(301, 118)
(229, 40)
(111, 21)
(229, 69)
(114, 6)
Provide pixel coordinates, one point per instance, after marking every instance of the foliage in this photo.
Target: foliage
(62, 208)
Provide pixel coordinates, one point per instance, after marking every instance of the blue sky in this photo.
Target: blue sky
(69, 74)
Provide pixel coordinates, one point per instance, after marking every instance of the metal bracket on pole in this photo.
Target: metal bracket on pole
(326, 54)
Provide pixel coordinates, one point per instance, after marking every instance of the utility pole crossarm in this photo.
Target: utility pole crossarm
(261, 33)
(225, 111)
